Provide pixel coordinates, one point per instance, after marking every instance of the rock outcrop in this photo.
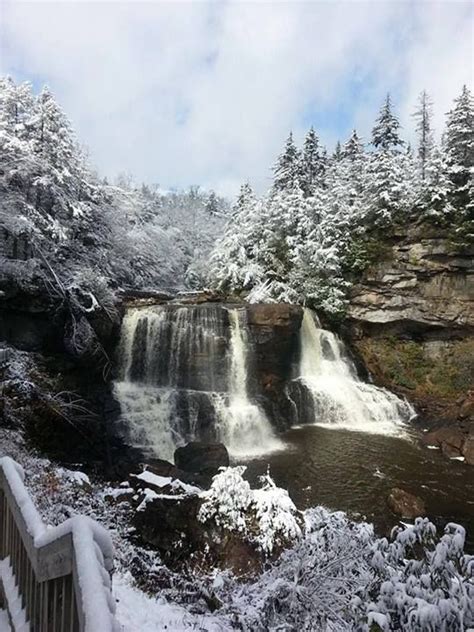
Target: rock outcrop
(275, 335)
(421, 282)
(411, 318)
(456, 441)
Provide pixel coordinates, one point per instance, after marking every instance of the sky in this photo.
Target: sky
(205, 93)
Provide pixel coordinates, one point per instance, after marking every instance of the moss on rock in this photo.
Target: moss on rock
(433, 369)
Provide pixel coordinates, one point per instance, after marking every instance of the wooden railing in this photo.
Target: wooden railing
(61, 575)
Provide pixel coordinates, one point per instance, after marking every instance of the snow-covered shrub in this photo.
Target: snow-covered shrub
(266, 516)
(340, 577)
(276, 515)
(228, 500)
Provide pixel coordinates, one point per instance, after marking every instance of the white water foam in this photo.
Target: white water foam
(341, 399)
(158, 349)
(243, 426)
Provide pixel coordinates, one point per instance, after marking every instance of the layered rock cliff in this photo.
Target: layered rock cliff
(411, 317)
(422, 282)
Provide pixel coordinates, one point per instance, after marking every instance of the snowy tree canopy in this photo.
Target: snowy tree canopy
(299, 242)
(127, 236)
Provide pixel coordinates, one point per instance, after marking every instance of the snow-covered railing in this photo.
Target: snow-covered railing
(62, 574)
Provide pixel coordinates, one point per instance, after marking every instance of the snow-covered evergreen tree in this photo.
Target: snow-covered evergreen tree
(460, 151)
(385, 134)
(212, 205)
(245, 197)
(388, 170)
(423, 116)
(286, 169)
(311, 168)
(337, 154)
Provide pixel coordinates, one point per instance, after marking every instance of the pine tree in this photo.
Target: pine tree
(423, 115)
(436, 193)
(385, 132)
(287, 166)
(459, 141)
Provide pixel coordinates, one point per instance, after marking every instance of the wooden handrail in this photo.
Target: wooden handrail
(63, 574)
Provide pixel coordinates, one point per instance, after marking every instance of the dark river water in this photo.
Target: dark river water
(355, 471)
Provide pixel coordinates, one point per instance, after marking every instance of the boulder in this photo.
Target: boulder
(172, 527)
(201, 458)
(167, 469)
(455, 440)
(404, 504)
(468, 450)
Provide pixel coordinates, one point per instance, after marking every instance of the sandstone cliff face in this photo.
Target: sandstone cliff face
(411, 318)
(423, 283)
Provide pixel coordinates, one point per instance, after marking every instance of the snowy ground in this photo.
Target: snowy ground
(138, 611)
(338, 577)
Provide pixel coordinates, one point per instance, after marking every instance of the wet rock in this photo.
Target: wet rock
(455, 440)
(274, 331)
(167, 469)
(201, 458)
(274, 315)
(404, 504)
(468, 450)
(451, 436)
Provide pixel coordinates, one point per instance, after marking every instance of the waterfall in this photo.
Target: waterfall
(183, 377)
(337, 397)
(243, 426)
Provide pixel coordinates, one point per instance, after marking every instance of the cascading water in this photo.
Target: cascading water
(334, 395)
(243, 426)
(183, 377)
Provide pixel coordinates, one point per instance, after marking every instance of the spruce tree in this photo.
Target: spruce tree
(310, 163)
(16, 107)
(287, 166)
(245, 197)
(337, 155)
(385, 132)
(423, 115)
(353, 148)
(459, 142)
(54, 138)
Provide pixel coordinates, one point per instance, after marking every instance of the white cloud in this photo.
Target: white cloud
(206, 92)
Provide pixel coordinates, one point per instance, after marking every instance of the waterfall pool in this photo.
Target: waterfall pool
(354, 472)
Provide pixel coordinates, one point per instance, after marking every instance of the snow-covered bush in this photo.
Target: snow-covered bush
(340, 577)
(266, 516)
(276, 515)
(228, 500)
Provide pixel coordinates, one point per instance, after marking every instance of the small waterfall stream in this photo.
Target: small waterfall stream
(337, 397)
(243, 426)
